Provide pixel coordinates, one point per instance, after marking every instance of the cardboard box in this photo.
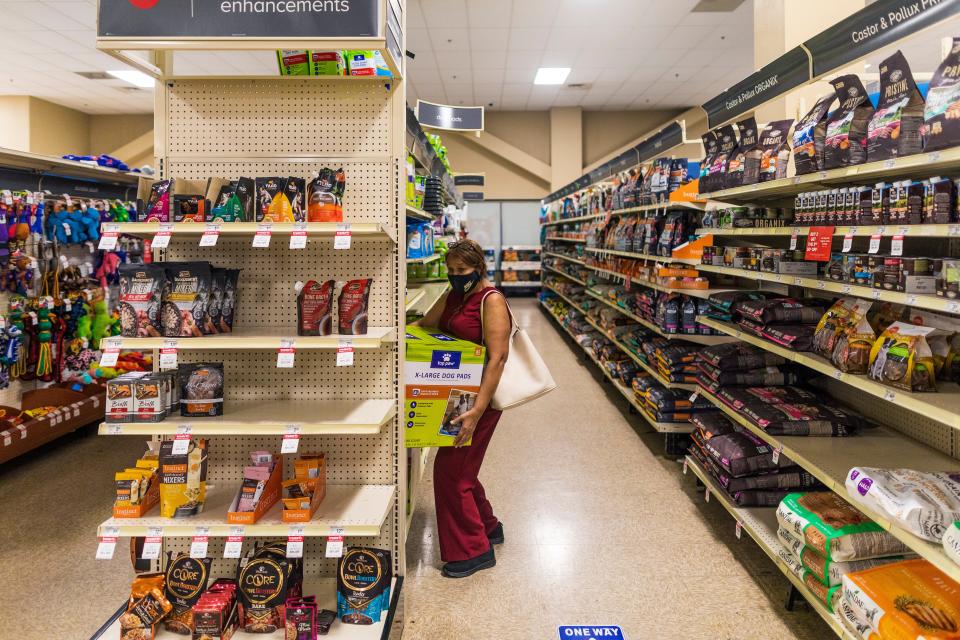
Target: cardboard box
(442, 379)
(269, 497)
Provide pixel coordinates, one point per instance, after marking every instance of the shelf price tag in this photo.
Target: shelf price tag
(111, 351)
(890, 163)
(684, 465)
(889, 396)
(108, 238)
(181, 441)
(896, 246)
(693, 397)
(345, 353)
(234, 544)
(846, 289)
(874, 243)
(847, 243)
(343, 237)
(152, 544)
(953, 307)
(911, 300)
(793, 240)
(286, 353)
(198, 546)
(291, 439)
(775, 457)
(335, 544)
(738, 529)
(261, 239)
(295, 542)
(161, 239)
(210, 236)
(168, 355)
(933, 156)
(114, 429)
(298, 237)
(107, 543)
(876, 294)
(706, 494)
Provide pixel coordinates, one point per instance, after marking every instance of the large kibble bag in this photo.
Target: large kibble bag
(894, 129)
(790, 411)
(901, 358)
(828, 572)
(781, 311)
(951, 542)
(808, 137)
(742, 454)
(739, 356)
(768, 159)
(942, 112)
(844, 335)
(726, 143)
(923, 503)
(710, 146)
(834, 529)
(910, 599)
(846, 141)
(737, 160)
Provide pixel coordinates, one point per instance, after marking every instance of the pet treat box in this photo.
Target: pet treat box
(442, 379)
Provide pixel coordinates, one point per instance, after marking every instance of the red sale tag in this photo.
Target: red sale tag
(819, 241)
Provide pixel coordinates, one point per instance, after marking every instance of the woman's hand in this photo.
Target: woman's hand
(468, 424)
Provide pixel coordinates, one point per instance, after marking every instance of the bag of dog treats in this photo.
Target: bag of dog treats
(834, 529)
(184, 310)
(909, 599)
(229, 306)
(923, 503)
(137, 623)
(274, 200)
(780, 311)
(895, 128)
(265, 583)
(141, 292)
(315, 308)
(247, 194)
(227, 207)
(710, 145)
(844, 336)
(363, 585)
(901, 358)
(726, 143)
(201, 389)
(218, 284)
(183, 479)
(768, 159)
(295, 190)
(352, 305)
(846, 141)
(186, 580)
(808, 137)
(325, 196)
(294, 62)
(157, 206)
(942, 112)
(736, 162)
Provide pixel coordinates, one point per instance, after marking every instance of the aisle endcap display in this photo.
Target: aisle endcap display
(351, 510)
(304, 417)
(251, 338)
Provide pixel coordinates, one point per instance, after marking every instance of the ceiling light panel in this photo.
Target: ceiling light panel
(551, 75)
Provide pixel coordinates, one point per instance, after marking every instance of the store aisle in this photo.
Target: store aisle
(600, 530)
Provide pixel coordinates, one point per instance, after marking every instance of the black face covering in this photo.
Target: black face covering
(464, 284)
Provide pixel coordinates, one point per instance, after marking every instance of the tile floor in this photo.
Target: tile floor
(600, 529)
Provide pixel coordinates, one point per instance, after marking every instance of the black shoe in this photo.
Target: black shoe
(496, 536)
(465, 568)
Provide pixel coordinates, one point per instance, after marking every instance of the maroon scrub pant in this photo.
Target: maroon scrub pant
(464, 515)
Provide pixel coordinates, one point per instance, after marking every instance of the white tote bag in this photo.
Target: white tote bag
(525, 375)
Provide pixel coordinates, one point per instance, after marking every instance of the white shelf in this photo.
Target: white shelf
(520, 265)
(266, 338)
(274, 417)
(521, 284)
(359, 510)
(326, 591)
(425, 260)
(559, 239)
(644, 256)
(413, 297)
(942, 406)
(565, 275)
(551, 223)
(693, 293)
(250, 228)
(431, 294)
(865, 231)
(706, 340)
(760, 523)
(563, 257)
(419, 214)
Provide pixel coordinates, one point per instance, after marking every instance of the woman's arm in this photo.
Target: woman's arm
(432, 317)
(496, 335)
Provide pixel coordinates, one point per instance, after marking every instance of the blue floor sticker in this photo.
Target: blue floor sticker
(590, 632)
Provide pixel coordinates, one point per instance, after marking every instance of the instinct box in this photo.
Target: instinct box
(442, 377)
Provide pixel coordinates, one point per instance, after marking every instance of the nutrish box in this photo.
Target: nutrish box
(442, 378)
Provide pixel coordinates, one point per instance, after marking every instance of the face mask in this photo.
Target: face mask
(464, 284)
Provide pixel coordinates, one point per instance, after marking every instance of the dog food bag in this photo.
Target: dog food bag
(218, 285)
(295, 190)
(833, 528)
(830, 596)
(184, 312)
(901, 358)
(264, 584)
(183, 479)
(227, 207)
(327, 63)
(736, 161)
(363, 585)
(780, 311)
(157, 206)
(895, 128)
(325, 196)
(846, 141)
(141, 291)
(909, 599)
(942, 112)
(710, 145)
(186, 580)
(228, 306)
(726, 143)
(742, 454)
(201, 389)
(273, 201)
(828, 572)
(315, 308)
(923, 503)
(845, 336)
(293, 62)
(247, 194)
(352, 305)
(855, 626)
(768, 159)
(137, 623)
(808, 137)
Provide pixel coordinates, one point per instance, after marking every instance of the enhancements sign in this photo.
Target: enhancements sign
(172, 19)
(442, 116)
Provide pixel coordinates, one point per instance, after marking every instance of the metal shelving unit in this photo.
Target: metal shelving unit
(255, 338)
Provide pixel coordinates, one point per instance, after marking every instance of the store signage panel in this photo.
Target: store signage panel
(660, 142)
(590, 632)
(172, 19)
(473, 196)
(787, 72)
(876, 25)
(469, 180)
(442, 116)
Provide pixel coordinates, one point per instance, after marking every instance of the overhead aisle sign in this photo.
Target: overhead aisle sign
(163, 19)
(666, 138)
(444, 116)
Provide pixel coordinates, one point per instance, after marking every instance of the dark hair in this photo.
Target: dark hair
(468, 252)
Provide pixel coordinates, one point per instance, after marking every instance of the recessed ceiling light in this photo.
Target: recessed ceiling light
(551, 75)
(136, 78)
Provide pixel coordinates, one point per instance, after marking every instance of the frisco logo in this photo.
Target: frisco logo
(445, 360)
(864, 486)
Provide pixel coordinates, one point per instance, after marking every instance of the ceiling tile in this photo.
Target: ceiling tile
(570, 98)
(512, 103)
(534, 13)
(580, 75)
(418, 39)
(484, 92)
(517, 90)
(433, 92)
(489, 59)
(449, 39)
(488, 75)
(444, 13)
(454, 59)
(415, 16)
(686, 37)
(82, 12)
(487, 39)
(558, 58)
(45, 16)
(489, 13)
(519, 75)
(528, 38)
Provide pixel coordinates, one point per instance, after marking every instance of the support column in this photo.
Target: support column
(566, 145)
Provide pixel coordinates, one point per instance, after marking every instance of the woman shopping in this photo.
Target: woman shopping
(473, 310)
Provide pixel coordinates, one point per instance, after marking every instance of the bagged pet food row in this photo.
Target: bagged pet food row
(300, 62)
(176, 299)
(743, 153)
(907, 201)
(315, 314)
